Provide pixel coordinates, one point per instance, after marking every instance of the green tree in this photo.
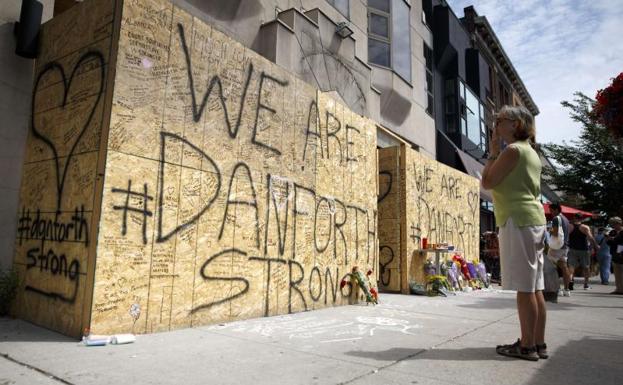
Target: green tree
(592, 166)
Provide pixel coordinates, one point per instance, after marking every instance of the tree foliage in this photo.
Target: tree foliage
(592, 166)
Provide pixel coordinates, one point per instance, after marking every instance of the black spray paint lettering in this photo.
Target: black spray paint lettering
(385, 193)
(422, 178)
(252, 203)
(444, 226)
(385, 258)
(316, 134)
(269, 262)
(281, 232)
(56, 265)
(297, 211)
(207, 277)
(333, 134)
(55, 230)
(215, 82)
(451, 186)
(261, 106)
(144, 198)
(350, 151)
(57, 67)
(164, 136)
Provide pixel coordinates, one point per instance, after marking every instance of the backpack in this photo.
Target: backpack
(557, 242)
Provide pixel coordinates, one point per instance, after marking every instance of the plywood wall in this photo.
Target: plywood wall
(441, 204)
(390, 218)
(57, 220)
(232, 189)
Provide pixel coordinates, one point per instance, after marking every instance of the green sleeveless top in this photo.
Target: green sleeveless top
(517, 196)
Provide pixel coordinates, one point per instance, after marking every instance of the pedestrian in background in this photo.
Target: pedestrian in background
(514, 176)
(579, 254)
(603, 255)
(615, 242)
(560, 226)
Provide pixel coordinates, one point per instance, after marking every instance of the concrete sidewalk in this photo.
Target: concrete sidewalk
(404, 340)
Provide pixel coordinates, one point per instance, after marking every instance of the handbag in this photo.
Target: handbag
(557, 242)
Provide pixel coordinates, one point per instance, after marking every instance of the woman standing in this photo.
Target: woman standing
(514, 175)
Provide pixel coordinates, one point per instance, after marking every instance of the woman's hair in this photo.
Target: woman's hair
(521, 115)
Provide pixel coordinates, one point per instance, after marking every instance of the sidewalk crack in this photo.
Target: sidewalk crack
(45, 373)
(410, 356)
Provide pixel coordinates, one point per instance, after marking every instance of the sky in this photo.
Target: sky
(558, 47)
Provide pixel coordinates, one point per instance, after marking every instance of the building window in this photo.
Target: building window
(450, 106)
(473, 119)
(389, 35)
(428, 57)
(341, 6)
(427, 11)
(503, 94)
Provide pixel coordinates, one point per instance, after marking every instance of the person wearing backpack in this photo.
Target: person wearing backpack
(559, 244)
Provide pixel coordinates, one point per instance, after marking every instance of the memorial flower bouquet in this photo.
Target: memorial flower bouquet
(452, 274)
(437, 285)
(364, 282)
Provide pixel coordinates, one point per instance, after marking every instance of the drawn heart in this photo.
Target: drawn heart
(473, 201)
(52, 67)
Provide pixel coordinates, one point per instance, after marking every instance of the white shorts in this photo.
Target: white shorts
(558, 255)
(521, 257)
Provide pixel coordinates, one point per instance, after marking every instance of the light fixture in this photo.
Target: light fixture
(343, 30)
(27, 29)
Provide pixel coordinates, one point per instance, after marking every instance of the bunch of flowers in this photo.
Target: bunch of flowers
(364, 282)
(437, 285)
(608, 109)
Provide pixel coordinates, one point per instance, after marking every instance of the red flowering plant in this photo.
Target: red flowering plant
(608, 108)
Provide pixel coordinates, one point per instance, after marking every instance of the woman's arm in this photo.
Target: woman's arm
(498, 168)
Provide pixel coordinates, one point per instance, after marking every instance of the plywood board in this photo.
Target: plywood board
(390, 213)
(441, 204)
(232, 188)
(55, 227)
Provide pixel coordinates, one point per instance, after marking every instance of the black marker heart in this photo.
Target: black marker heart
(473, 201)
(55, 66)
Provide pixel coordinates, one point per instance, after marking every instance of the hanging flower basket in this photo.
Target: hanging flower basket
(608, 109)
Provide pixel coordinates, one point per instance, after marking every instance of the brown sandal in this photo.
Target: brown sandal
(517, 351)
(541, 350)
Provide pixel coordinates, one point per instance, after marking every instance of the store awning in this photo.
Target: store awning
(567, 211)
(474, 168)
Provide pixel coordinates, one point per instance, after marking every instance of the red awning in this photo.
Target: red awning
(567, 211)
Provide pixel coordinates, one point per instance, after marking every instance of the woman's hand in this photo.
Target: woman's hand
(494, 143)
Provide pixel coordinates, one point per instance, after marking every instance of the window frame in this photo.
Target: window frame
(430, 93)
(481, 117)
(387, 40)
(347, 16)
